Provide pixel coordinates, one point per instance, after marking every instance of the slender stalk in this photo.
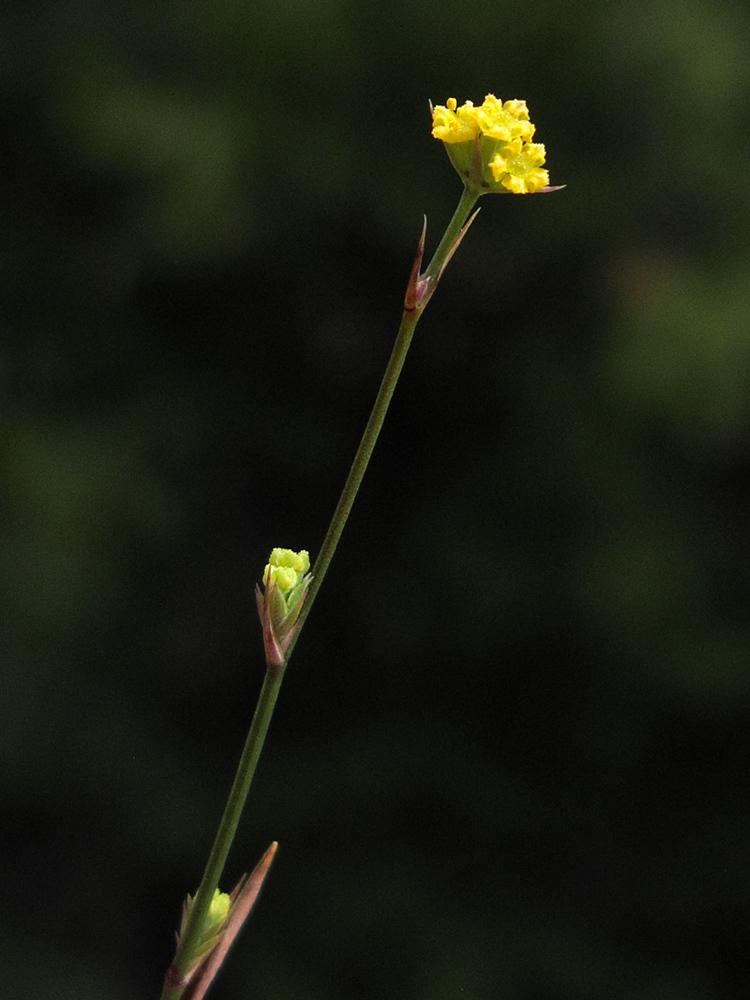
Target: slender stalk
(174, 986)
(469, 198)
(358, 468)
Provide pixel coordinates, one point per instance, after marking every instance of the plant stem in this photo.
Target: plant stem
(469, 198)
(175, 984)
(358, 468)
(225, 834)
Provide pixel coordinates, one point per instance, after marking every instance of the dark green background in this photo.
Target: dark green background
(511, 757)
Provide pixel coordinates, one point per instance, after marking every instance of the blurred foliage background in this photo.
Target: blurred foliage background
(510, 759)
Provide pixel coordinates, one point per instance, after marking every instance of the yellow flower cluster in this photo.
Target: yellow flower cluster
(490, 145)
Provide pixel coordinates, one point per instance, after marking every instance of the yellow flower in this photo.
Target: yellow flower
(493, 118)
(490, 146)
(505, 121)
(450, 125)
(517, 166)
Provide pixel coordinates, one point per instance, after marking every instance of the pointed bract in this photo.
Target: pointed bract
(421, 286)
(418, 287)
(243, 898)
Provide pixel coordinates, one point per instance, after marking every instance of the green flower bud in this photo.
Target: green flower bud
(286, 579)
(214, 924)
(218, 910)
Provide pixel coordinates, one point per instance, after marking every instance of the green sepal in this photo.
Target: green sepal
(471, 162)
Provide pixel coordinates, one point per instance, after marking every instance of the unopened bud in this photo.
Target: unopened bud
(285, 579)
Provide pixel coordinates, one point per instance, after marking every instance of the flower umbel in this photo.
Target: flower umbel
(490, 145)
(285, 579)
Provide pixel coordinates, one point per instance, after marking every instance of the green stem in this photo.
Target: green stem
(174, 987)
(358, 468)
(359, 465)
(468, 200)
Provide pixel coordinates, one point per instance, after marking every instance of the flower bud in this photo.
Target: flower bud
(218, 910)
(213, 926)
(285, 579)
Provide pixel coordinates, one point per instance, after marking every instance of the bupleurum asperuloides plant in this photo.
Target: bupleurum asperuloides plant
(491, 148)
